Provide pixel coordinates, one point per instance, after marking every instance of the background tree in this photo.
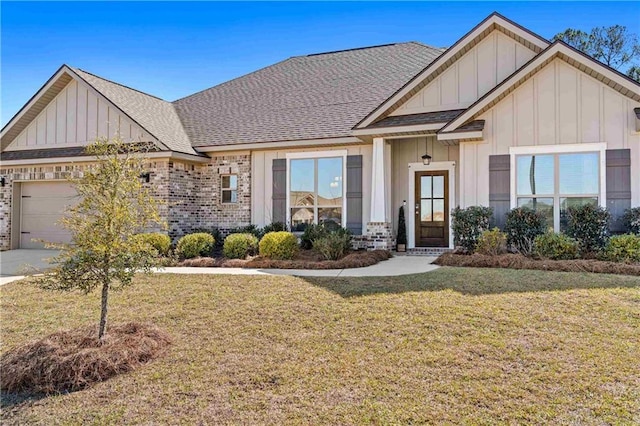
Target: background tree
(113, 207)
(613, 46)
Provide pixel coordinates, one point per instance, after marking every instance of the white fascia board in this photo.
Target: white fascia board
(281, 145)
(477, 134)
(89, 159)
(399, 129)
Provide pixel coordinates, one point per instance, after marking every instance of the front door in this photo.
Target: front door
(432, 209)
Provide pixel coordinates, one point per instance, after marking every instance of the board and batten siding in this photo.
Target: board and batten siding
(76, 117)
(411, 150)
(262, 179)
(557, 105)
(484, 66)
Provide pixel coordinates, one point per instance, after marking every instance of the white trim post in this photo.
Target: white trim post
(378, 183)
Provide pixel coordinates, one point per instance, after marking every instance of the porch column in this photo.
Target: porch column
(379, 231)
(378, 182)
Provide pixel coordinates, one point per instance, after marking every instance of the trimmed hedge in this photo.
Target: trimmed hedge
(468, 224)
(334, 245)
(194, 245)
(158, 241)
(589, 224)
(279, 245)
(239, 246)
(555, 246)
(522, 226)
(492, 243)
(623, 248)
(631, 219)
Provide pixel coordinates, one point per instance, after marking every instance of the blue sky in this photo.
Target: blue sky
(172, 50)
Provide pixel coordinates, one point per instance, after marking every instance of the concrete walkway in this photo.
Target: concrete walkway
(397, 265)
(15, 264)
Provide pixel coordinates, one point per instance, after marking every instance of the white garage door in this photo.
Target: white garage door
(43, 204)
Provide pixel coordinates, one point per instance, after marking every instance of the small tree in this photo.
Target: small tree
(113, 207)
(614, 45)
(402, 227)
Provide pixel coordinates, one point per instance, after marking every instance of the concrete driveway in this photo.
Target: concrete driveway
(14, 264)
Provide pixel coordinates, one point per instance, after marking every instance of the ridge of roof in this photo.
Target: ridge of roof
(116, 83)
(350, 50)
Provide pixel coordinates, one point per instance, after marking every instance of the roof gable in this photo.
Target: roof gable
(492, 23)
(559, 50)
(141, 115)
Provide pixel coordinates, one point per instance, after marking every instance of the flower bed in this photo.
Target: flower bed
(518, 261)
(305, 259)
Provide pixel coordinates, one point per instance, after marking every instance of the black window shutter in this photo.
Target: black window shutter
(279, 192)
(354, 194)
(499, 187)
(618, 186)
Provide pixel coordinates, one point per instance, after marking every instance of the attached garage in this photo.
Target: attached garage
(42, 205)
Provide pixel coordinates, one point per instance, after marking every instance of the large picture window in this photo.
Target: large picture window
(550, 183)
(316, 191)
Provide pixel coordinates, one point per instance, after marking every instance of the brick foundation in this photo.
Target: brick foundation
(379, 236)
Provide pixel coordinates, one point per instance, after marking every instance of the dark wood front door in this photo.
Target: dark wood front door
(432, 209)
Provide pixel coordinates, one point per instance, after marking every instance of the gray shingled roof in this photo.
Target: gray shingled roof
(304, 97)
(157, 116)
(416, 119)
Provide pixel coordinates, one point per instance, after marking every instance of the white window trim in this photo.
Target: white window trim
(599, 147)
(447, 166)
(222, 188)
(313, 155)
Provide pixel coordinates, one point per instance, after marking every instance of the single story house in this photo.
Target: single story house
(502, 118)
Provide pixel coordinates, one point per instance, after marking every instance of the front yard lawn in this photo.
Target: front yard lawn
(458, 345)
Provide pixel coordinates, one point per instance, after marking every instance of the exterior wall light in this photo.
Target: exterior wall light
(426, 159)
(3, 181)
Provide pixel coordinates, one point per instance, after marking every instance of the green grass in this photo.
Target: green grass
(458, 345)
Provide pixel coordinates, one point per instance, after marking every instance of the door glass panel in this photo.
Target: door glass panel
(438, 210)
(438, 187)
(425, 211)
(425, 186)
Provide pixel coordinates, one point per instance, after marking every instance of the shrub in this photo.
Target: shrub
(311, 233)
(631, 219)
(402, 227)
(334, 245)
(279, 245)
(275, 227)
(239, 246)
(194, 245)
(492, 243)
(214, 232)
(623, 248)
(468, 224)
(249, 229)
(555, 246)
(158, 241)
(522, 226)
(589, 224)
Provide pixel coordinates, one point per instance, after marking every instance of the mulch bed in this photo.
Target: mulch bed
(75, 359)
(518, 261)
(306, 259)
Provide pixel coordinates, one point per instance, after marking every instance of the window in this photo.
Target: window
(316, 191)
(230, 188)
(550, 183)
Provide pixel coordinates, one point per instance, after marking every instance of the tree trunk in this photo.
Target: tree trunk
(103, 311)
